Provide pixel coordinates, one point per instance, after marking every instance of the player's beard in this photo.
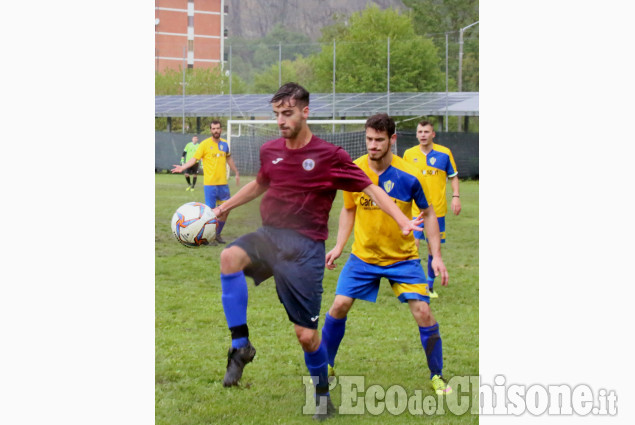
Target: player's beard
(378, 156)
(290, 132)
(216, 135)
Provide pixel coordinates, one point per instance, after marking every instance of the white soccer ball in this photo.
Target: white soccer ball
(194, 224)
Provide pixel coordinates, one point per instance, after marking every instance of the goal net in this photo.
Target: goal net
(245, 137)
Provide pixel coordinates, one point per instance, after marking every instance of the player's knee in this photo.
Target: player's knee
(423, 314)
(341, 306)
(232, 260)
(308, 339)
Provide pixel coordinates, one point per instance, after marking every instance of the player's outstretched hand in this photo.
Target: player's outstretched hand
(440, 270)
(412, 226)
(331, 256)
(177, 169)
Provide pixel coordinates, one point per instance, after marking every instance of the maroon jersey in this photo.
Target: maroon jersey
(302, 184)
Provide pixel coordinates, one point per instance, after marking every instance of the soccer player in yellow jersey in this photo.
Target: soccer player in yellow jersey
(381, 250)
(437, 165)
(215, 154)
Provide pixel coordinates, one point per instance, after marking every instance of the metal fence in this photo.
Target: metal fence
(464, 147)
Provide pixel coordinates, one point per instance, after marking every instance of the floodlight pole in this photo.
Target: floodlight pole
(461, 31)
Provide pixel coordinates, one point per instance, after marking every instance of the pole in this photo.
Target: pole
(183, 84)
(279, 64)
(333, 130)
(446, 82)
(461, 31)
(230, 81)
(388, 81)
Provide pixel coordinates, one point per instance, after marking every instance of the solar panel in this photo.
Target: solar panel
(246, 106)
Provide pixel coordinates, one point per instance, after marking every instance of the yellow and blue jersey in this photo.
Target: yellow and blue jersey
(214, 156)
(435, 167)
(378, 238)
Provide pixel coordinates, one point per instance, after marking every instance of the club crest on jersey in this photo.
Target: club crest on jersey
(388, 185)
(433, 160)
(308, 164)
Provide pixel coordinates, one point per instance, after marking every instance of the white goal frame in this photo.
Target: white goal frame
(235, 128)
(238, 123)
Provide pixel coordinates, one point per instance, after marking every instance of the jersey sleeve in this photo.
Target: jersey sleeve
(348, 176)
(452, 171)
(349, 202)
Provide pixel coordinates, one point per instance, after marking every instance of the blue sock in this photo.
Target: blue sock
(431, 342)
(430, 273)
(219, 226)
(332, 334)
(234, 300)
(317, 363)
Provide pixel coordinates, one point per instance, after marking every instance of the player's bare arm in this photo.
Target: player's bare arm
(232, 166)
(434, 243)
(345, 227)
(181, 168)
(456, 201)
(383, 201)
(247, 193)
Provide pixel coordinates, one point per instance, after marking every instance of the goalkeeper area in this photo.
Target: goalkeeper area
(245, 137)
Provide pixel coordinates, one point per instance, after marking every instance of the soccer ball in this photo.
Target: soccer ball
(194, 224)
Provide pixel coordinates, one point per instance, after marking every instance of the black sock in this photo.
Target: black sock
(194, 181)
(187, 179)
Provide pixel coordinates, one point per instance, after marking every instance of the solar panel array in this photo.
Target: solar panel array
(249, 106)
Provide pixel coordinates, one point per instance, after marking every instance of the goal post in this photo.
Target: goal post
(245, 137)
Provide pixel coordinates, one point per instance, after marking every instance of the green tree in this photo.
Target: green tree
(197, 81)
(434, 18)
(362, 53)
(298, 70)
(250, 57)
(441, 16)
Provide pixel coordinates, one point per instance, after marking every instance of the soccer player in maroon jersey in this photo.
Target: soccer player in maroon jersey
(299, 177)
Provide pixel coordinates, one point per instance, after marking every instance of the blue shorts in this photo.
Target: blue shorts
(216, 194)
(420, 235)
(296, 263)
(360, 280)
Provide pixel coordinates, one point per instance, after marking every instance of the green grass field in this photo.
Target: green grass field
(381, 342)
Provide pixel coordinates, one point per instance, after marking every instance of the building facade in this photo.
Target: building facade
(189, 33)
